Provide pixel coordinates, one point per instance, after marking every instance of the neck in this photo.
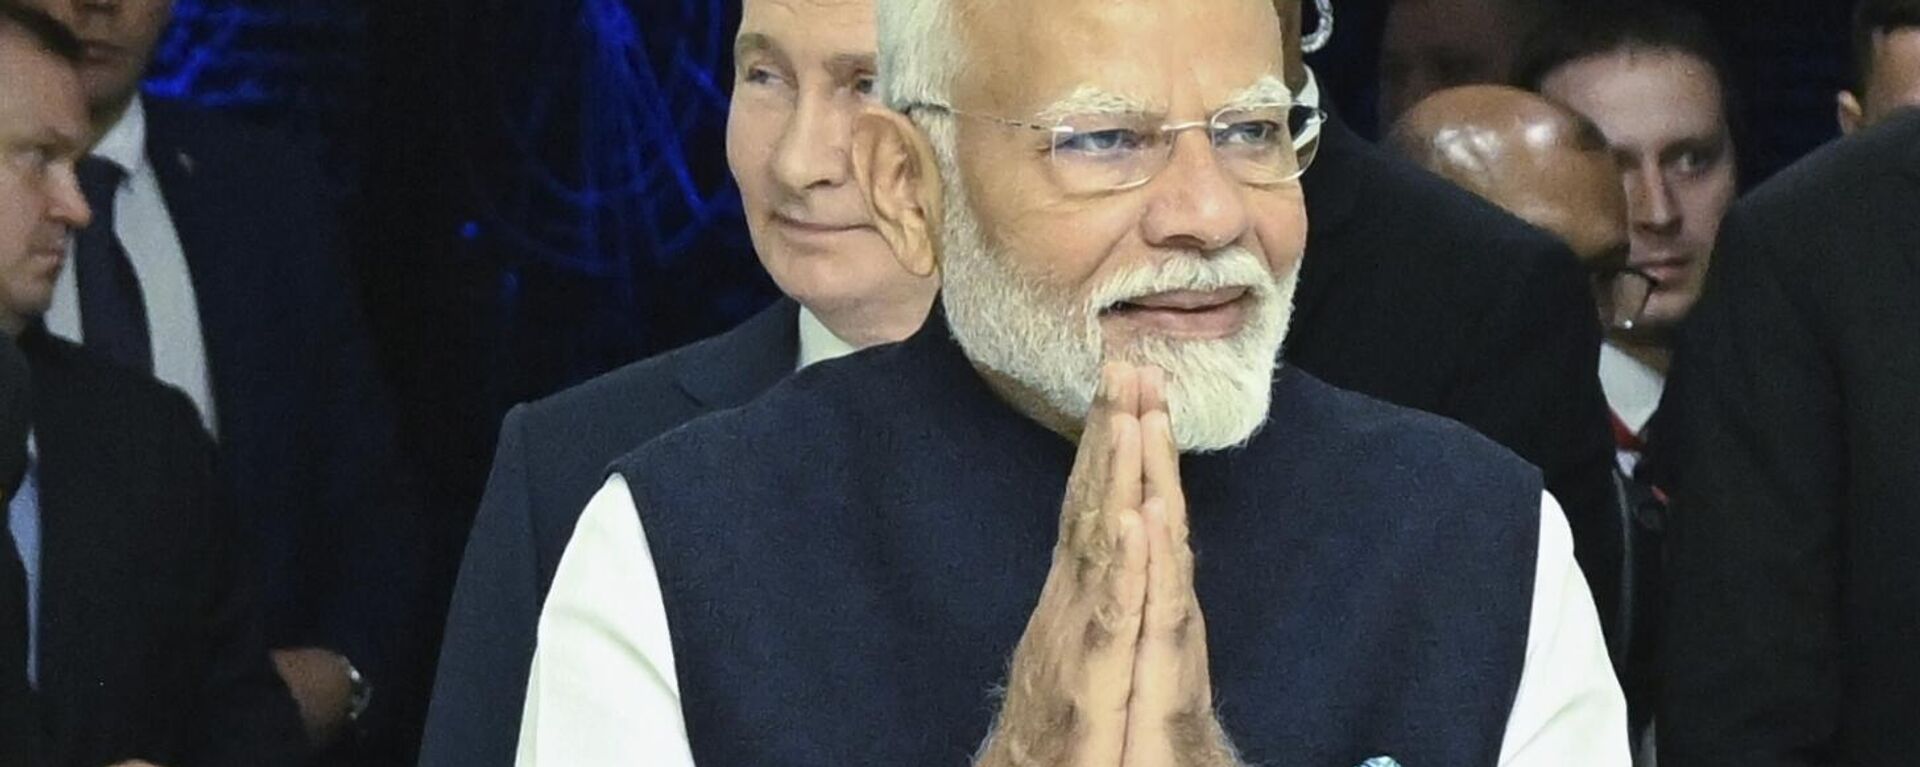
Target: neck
(880, 321)
(1654, 354)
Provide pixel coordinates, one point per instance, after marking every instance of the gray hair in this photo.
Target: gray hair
(920, 51)
(920, 54)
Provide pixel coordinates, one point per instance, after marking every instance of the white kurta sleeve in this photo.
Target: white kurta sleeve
(1569, 711)
(603, 690)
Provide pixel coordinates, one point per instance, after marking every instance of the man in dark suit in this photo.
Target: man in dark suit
(1794, 544)
(143, 643)
(213, 263)
(19, 722)
(799, 78)
(1453, 307)
(149, 640)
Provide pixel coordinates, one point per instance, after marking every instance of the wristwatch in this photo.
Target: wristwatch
(360, 693)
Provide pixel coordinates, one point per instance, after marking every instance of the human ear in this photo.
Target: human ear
(1849, 112)
(894, 167)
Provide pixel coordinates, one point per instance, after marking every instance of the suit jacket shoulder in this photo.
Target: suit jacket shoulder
(140, 600)
(570, 437)
(552, 458)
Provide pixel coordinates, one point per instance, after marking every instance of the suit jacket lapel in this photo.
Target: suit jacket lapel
(68, 569)
(744, 362)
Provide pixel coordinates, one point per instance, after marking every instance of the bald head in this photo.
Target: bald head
(1537, 159)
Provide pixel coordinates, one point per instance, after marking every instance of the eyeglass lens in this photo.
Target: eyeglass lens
(1256, 145)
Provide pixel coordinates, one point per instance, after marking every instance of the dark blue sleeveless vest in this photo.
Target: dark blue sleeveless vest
(848, 563)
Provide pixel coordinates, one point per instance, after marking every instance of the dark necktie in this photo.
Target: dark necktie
(113, 313)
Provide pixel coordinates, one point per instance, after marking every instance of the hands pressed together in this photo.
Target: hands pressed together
(1112, 669)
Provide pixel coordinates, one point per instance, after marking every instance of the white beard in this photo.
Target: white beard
(1218, 391)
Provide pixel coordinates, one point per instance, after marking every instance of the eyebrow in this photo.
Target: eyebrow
(848, 66)
(753, 42)
(1269, 89)
(62, 143)
(1088, 100)
(844, 66)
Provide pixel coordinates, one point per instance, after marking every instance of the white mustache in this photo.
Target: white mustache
(1229, 267)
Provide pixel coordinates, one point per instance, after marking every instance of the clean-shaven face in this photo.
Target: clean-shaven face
(1662, 112)
(1192, 272)
(803, 70)
(43, 128)
(120, 37)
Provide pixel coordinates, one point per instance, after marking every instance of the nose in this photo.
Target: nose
(812, 152)
(1196, 204)
(1650, 198)
(67, 205)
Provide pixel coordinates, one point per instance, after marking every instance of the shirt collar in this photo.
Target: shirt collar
(125, 144)
(1632, 387)
(817, 343)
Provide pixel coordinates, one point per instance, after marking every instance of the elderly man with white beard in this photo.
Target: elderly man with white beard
(1086, 463)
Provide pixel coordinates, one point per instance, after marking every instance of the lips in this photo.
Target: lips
(815, 227)
(1666, 270)
(1189, 314)
(1186, 300)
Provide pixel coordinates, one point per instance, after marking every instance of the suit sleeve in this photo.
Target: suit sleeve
(19, 720)
(246, 715)
(365, 533)
(1751, 657)
(1531, 382)
(482, 680)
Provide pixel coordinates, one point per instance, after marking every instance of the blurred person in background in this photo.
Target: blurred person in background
(19, 715)
(1654, 78)
(143, 643)
(1432, 45)
(212, 263)
(1542, 162)
(802, 70)
(1553, 169)
(1793, 550)
(1886, 62)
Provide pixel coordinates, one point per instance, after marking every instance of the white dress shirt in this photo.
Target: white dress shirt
(1633, 390)
(656, 699)
(604, 691)
(145, 228)
(817, 343)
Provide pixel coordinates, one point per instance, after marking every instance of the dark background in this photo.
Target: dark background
(539, 194)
